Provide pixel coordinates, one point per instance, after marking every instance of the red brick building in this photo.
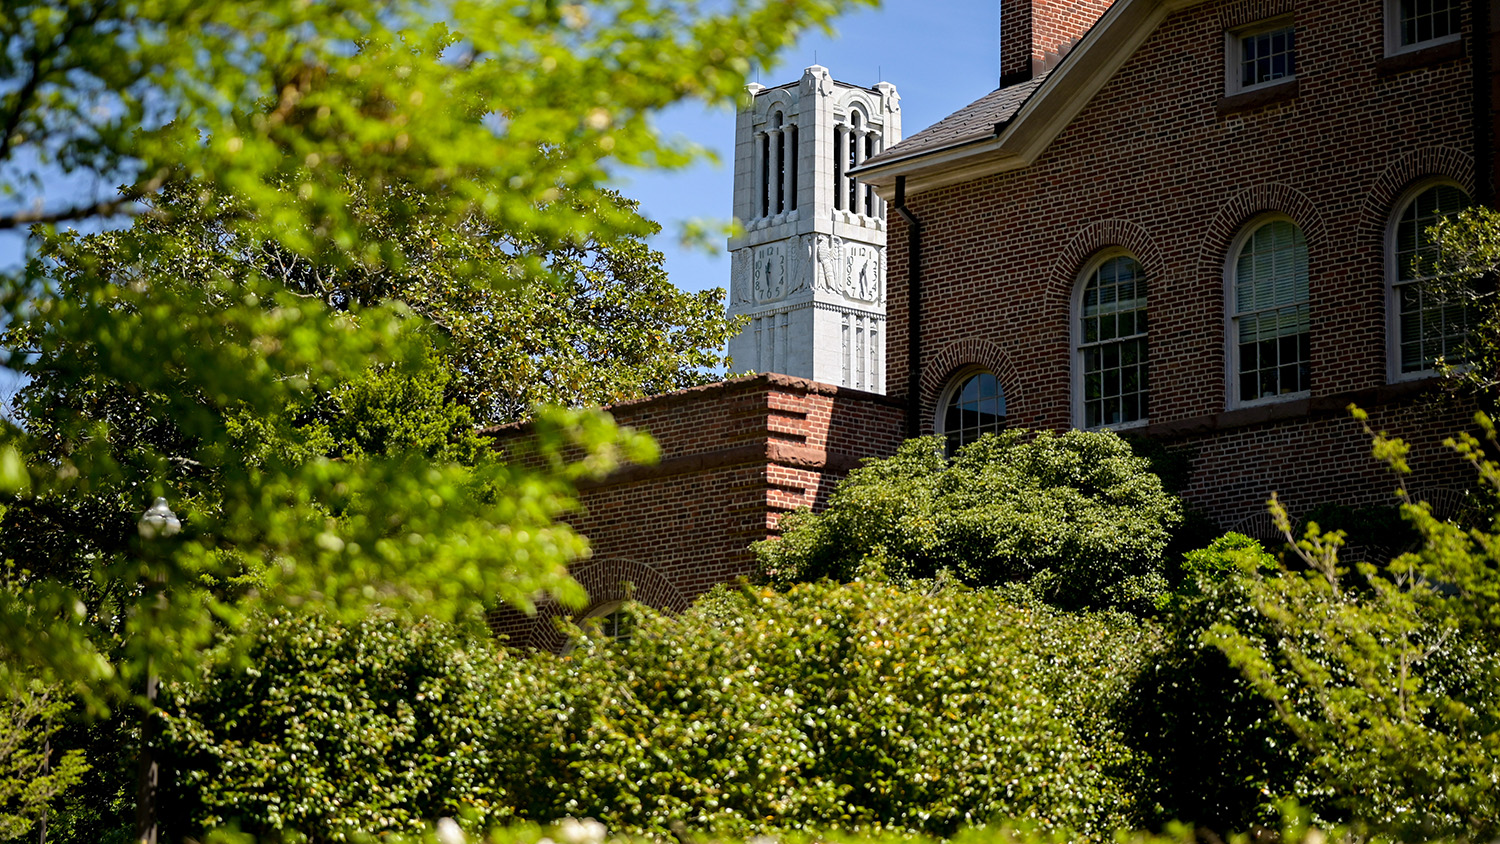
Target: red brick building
(1193, 220)
(1198, 226)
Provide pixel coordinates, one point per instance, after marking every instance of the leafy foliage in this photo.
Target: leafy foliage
(492, 107)
(309, 442)
(1386, 674)
(1077, 517)
(1294, 829)
(1220, 759)
(861, 706)
(31, 774)
(332, 730)
(1463, 266)
(160, 370)
(602, 325)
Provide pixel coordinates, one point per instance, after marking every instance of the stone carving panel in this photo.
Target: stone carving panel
(740, 281)
(828, 258)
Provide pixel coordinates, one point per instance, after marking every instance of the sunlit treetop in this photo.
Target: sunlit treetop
(495, 107)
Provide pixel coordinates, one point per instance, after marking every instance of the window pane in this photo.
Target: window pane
(976, 407)
(1267, 56)
(1429, 327)
(1272, 316)
(1113, 348)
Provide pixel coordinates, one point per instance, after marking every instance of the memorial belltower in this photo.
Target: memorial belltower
(809, 269)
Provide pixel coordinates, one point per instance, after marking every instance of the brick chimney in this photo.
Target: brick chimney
(1036, 34)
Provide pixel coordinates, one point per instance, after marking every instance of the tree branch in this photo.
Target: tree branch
(107, 208)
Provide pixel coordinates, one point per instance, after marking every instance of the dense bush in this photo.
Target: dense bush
(1220, 758)
(860, 706)
(1387, 673)
(331, 730)
(1078, 517)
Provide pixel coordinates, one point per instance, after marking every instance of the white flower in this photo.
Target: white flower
(586, 831)
(449, 833)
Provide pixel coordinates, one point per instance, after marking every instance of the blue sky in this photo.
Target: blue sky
(940, 54)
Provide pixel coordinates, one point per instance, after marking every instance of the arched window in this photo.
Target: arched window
(778, 171)
(1112, 366)
(1270, 345)
(613, 620)
(1425, 326)
(974, 405)
(855, 156)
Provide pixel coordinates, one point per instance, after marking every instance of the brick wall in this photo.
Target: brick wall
(735, 456)
(1036, 34)
(1162, 164)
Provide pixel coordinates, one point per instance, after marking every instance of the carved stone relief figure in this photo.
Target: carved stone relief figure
(740, 277)
(829, 261)
(798, 264)
(890, 100)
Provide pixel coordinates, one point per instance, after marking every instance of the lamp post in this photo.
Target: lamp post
(157, 521)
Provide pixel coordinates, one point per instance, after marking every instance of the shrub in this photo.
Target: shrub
(861, 706)
(1220, 757)
(1078, 517)
(330, 731)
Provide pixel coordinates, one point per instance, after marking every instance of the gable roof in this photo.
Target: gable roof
(1009, 128)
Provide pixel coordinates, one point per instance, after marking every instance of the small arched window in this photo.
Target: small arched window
(613, 621)
(973, 406)
(1112, 366)
(1426, 326)
(1270, 318)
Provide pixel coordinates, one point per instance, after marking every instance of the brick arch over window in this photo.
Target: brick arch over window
(1244, 206)
(1244, 12)
(1104, 234)
(963, 354)
(605, 580)
(1401, 174)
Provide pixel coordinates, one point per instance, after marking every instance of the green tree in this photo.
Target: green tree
(605, 326)
(1387, 673)
(204, 384)
(1078, 518)
(31, 774)
(296, 111)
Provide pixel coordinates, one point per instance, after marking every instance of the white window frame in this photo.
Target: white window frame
(1392, 296)
(955, 383)
(1231, 315)
(1234, 55)
(1080, 415)
(1393, 45)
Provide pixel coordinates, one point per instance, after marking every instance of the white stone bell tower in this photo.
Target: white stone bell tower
(809, 269)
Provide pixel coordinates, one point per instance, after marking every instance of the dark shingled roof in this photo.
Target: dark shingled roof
(972, 122)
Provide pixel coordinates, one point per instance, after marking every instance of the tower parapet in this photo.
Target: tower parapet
(809, 269)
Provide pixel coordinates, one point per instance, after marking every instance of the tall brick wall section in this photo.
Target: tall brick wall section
(1161, 163)
(735, 456)
(1036, 34)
